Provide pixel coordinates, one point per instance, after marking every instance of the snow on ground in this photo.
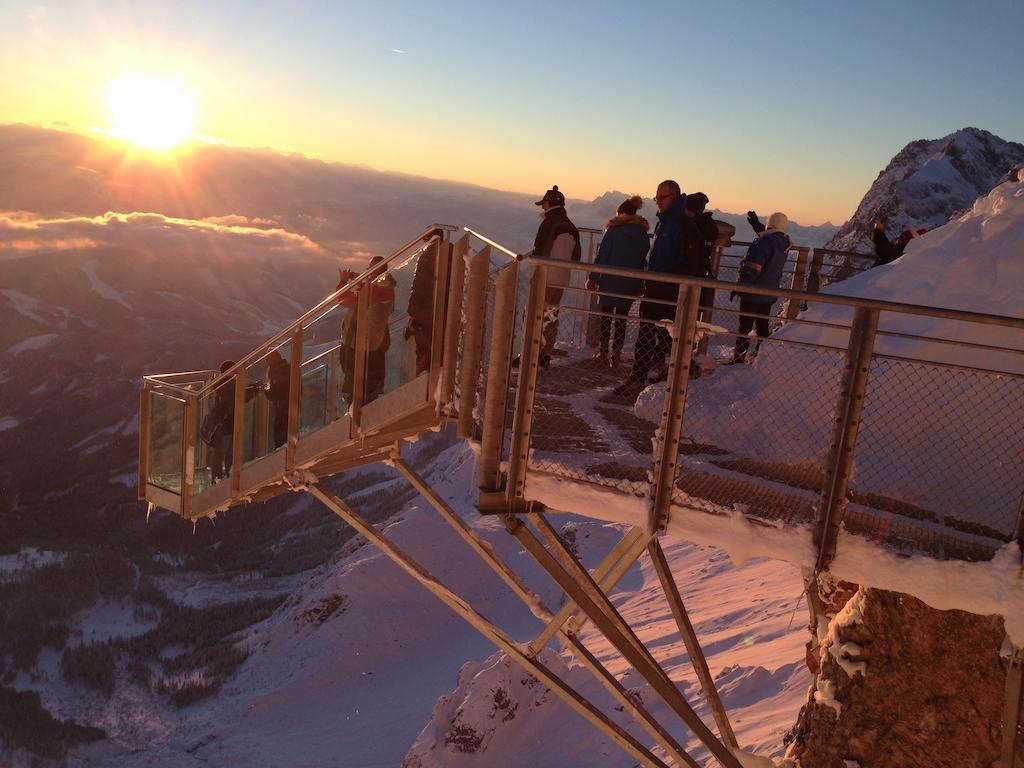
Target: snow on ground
(41, 341)
(105, 290)
(8, 422)
(23, 303)
(28, 559)
(349, 670)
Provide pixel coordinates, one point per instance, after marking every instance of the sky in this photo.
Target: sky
(790, 106)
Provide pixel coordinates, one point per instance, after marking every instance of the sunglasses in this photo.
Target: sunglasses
(659, 198)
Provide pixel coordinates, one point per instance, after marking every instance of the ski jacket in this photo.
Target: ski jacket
(624, 245)
(667, 250)
(763, 264)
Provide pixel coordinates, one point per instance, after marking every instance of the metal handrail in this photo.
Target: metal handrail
(821, 298)
(431, 233)
(507, 251)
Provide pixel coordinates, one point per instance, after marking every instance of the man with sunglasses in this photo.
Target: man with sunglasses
(668, 255)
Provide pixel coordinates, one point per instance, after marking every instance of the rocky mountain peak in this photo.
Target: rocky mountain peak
(928, 182)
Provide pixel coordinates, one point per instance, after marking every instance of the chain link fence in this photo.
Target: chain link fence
(938, 466)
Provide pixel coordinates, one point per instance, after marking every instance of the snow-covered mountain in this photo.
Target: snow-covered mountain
(927, 182)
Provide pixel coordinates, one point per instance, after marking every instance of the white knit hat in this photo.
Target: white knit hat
(778, 221)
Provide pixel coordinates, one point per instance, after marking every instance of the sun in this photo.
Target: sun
(156, 114)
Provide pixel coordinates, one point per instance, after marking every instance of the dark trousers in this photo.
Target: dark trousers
(423, 338)
(552, 300)
(763, 312)
(376, 372)
(221, 456)
(653, 342)
(620, 329)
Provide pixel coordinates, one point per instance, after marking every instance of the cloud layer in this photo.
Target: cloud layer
(23, 234)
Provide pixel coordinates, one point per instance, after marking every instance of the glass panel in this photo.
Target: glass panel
(214, 446)
(266, 412)
(313, 409)
(166, 425)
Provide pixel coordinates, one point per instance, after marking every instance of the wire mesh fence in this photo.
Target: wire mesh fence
(940, 456)
(938, 466)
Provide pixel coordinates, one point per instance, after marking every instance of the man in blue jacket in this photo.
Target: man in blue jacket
(668, 255)
(762, 267)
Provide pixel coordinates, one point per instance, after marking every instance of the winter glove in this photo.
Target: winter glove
(752, 218)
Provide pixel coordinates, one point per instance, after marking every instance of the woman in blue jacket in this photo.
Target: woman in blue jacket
(762, 267)
(624, 245)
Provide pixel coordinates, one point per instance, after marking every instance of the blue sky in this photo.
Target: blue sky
(794, 106)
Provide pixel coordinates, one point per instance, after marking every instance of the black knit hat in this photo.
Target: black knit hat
(696, 202)
(552, 197)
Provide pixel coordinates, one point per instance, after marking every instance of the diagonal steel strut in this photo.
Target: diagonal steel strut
(693, 649)
(533, 601)
(536, 668)
(576, 582)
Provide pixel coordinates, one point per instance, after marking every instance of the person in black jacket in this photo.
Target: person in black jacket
(218, 427)
(279, 375)
(557, 238)
(886, 251)
(704, 231)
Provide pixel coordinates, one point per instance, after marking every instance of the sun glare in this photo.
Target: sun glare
(155, 114)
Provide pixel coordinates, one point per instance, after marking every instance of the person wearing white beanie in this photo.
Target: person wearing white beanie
(762, 267)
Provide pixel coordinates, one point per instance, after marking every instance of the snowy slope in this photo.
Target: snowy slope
(927, 182)
(349, 670)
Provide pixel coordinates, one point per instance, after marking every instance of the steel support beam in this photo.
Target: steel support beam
(577, 583)
(849, 406)
(696, 653)
(607, 574)
(499, 371)
(537, 607)
(534, 667)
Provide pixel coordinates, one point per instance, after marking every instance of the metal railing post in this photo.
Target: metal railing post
(238, 435)
(472, 339)
(188, 455)
(585, 299)
(666, 449)
(453, 317)
(849, 406)
(442, 260)
(261, 423)
(145, 419)
(529, 357)
(499, 371)
(294, 400)
(799, 272)
(814, 276)
(362, 310)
